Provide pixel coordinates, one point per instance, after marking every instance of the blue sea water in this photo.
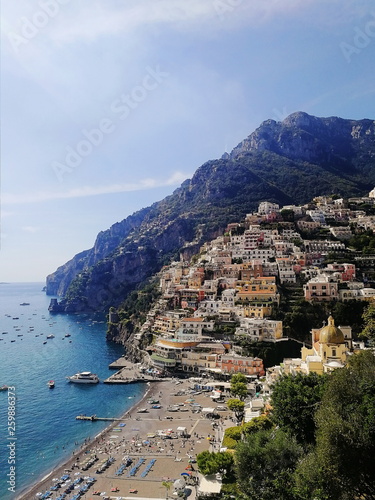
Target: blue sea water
(46, 432)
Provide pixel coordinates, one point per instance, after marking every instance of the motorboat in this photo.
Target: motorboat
(84, 378)
(51, 384)
(50, 336)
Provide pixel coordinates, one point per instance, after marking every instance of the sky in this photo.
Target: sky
(107, 106)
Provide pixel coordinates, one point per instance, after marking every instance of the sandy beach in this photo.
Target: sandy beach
(153, 440)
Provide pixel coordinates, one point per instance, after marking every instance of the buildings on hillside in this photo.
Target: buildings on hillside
(232, 288)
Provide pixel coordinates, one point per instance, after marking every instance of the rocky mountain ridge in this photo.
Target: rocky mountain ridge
(284, 162)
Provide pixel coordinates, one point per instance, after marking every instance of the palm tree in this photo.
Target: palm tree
(167, 485)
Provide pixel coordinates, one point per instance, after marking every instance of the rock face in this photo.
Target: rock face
(308, 138)
(283, 162)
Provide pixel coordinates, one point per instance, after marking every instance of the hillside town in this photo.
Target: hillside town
(230, 290)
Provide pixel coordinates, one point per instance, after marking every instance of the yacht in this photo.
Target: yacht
(84, 378)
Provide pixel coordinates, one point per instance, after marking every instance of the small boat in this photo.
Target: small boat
(4, 388)
(84, 378)
(45, 342)
(67, 335)
(50, 336)
(51, 384)
(142, 410)
(25, 304)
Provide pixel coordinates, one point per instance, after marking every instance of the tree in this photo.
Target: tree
(262, 423)
(342, 464)
(238, 407)
(265, 464)
(167, 485)
(206, 463)
(368, 317)
(238, 377)
(238, 386)
(212, 463)
(295, 398)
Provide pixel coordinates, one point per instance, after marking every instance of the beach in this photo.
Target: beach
(163, 442)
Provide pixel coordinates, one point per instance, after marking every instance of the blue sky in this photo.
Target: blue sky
(108, 105)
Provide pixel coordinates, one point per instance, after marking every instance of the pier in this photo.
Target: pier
(94, 418)
(129, 373)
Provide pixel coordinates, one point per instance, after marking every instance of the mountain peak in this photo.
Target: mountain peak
(284, 162)
(307, 138)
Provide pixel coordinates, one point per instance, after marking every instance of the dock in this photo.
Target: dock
(120, 363)
(94, 418)
(129, 373)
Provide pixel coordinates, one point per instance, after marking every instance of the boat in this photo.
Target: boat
(25, 304)
(50, 336)
(67, 335)
(4, 388)
(84, 378)
(51, 384)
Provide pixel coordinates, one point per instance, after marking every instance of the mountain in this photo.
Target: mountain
(284, 162)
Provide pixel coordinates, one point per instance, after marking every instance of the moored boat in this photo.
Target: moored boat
(51, 384)
(84, 378)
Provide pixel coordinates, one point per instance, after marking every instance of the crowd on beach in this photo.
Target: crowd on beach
(169, 454)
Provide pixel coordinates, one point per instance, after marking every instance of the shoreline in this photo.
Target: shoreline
(29, 492)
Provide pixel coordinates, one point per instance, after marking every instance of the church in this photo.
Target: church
(330, 348)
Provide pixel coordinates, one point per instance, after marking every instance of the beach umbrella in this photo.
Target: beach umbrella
(184, 474)
(179, 484)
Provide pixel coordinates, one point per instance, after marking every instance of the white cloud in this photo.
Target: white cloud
(89, 20)
(145, 184)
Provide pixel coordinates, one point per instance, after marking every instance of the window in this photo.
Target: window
(334, 353)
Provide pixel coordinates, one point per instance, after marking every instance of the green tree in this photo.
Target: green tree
(262, 423)
(167, 485)
(295, 399)
(238, 386)
(238, 407)
(342, 465)
(206, 462)
(368, 317)
(212, 463)
(238, 377)
(265, 464)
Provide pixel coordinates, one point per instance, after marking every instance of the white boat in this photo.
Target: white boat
(84, 378)
(50, 336)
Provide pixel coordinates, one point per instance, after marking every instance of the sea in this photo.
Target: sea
(44, 432)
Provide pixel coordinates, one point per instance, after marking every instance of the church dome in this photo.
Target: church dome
(330, 334)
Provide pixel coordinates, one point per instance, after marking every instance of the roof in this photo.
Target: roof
(209, 484)
(330, 334)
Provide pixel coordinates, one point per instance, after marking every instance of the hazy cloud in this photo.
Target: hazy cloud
(144, 184)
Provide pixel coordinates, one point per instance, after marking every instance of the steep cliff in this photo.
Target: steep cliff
(284, 162)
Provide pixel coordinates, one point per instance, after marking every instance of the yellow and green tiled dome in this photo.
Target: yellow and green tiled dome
(330, 334)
